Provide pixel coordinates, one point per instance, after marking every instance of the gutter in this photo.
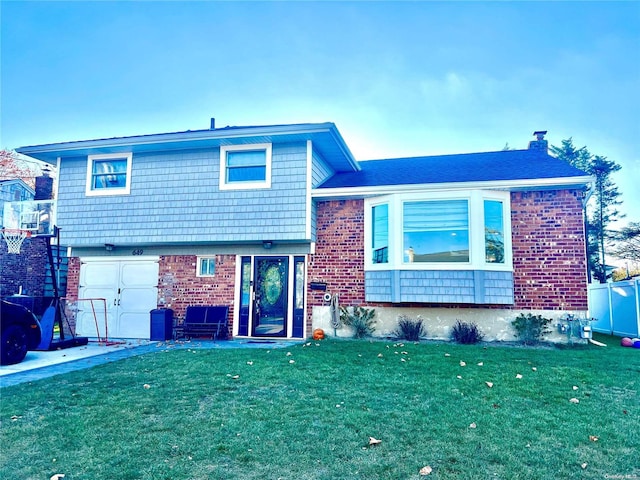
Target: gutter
(511, 185)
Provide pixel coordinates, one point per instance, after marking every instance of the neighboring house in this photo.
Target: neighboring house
(271, 219)
(14, 190)
(29, 272)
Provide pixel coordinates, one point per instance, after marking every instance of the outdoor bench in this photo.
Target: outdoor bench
(201, 321)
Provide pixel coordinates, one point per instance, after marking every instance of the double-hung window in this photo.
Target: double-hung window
(109, 174)
(245, 166)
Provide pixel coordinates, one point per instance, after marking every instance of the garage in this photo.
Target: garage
(129, 287)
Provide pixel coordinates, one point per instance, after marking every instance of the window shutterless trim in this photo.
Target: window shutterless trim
(239, 185)
(91, 191)
(477, 252)
(199, 266)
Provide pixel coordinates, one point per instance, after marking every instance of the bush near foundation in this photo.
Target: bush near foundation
(410, 329)
(531, 329)
(466, 333)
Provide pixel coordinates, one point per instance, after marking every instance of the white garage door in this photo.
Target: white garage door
(130, 288)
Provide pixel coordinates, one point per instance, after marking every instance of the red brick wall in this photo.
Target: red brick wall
(339, 254)
(549, 250)
(179, 286)
(27, 269)
(73, 279)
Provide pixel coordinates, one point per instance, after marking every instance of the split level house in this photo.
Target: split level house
(280, 222)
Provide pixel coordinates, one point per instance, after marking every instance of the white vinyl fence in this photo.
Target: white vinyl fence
(616, 308)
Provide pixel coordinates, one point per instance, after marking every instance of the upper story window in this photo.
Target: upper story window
(436, 231)
(109, 174)
(245, 166)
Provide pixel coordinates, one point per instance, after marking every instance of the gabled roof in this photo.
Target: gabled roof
(16, 181)
(502, 166)
(325, 137)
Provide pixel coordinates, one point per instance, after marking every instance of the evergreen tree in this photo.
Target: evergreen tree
(601, 210)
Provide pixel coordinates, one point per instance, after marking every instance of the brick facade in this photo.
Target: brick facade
(548, 251)
(28, 269)
(339, 253)
(179, 286)
(549, 259)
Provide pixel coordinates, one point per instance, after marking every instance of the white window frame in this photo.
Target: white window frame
(225, 185)
(91, 192)
(199, 260)
(477, 253)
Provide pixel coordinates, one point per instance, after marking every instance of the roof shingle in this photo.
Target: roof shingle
(470, 167)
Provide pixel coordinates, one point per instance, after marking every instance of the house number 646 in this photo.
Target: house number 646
(137, 251)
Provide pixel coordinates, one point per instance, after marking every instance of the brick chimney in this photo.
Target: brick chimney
(539, 144)
(44, 187)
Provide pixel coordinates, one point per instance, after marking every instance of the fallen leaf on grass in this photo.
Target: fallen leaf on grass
(380, 355)
(57, 476)
(249, 363)
(374, 441)
(426, 470)
(288, 354)
(15, 417)
(480, 364)
(292, 361)
(447, 355)
(473, 425)
(146, 386)
(518, 376)
(593, 438)
(489, 384)
(463, 364)
(575, 388)
(534, 369)
(584, 465)
(459, 377)
(574, 400)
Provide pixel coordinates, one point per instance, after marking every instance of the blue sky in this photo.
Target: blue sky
(397, 78)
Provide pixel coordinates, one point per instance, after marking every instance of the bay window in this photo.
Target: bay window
(462, 230)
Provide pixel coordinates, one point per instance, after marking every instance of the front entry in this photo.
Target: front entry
(271, 297)
(270, 304)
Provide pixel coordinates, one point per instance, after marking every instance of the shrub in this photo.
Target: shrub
(360, 319)
(466, 333)
(410, 329)
(530, 329)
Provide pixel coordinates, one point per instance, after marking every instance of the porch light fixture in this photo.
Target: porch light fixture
(109, 247)
(267, 244)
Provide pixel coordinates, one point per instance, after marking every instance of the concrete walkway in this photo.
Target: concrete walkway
(38, 365)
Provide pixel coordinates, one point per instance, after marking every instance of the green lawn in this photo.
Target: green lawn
(307, 412)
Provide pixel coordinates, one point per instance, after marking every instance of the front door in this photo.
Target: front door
(271, 292)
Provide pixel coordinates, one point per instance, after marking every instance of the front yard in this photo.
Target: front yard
(309, 411)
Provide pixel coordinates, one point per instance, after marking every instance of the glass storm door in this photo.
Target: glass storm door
(270, 297)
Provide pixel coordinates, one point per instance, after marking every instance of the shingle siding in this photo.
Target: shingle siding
(180, 190)
(439, 286)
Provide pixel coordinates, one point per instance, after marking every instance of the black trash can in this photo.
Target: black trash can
(161, 324)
